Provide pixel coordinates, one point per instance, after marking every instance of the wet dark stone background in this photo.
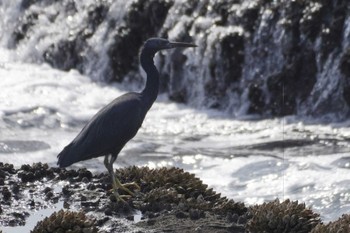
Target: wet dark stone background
(239, 63)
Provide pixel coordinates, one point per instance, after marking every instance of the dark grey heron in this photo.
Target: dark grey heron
(114, 125)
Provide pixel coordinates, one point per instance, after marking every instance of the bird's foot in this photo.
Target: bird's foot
(121, 198)
(125, 187)
(132, 185)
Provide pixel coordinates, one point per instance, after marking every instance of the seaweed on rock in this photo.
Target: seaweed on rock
(288, 216)
(166, 186)
(342, 225)
(66, 221)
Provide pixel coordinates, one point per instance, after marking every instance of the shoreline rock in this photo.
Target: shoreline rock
(170, 199)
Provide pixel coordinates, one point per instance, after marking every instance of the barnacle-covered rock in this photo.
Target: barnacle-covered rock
(150, 179)
(66, 221)
(166, 186)
(37, 171)
(342, 225)
(6, 169)
(282, 217)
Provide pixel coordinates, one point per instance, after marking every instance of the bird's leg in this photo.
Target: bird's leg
(115, 180)
(109, 166)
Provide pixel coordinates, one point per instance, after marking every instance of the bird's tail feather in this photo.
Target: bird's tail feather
(66, 157)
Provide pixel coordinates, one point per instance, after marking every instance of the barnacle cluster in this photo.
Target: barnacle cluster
(165, 186)
(342, 225)
(37, 171)
(287, 216)
(163, 177)
(66, 221)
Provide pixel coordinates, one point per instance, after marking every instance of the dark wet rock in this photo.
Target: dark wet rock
(66, 191)
(66, 54)
(15, 189)
(31, 203)
(49, 195)
(84, 173)
(6, 194)
(282, 217)
(91, 186)
(292, 84)
(26, 176)
(2, 174)
(66, 221)
(333, 27)
(181, 214)
(226, 71)
(257, 99)
(26, 167)
(196, 214)
(151, 222)
(35, 172)
(28, 20)
(143, 20)
(345, 63)
(6, 169)
(261, 53)
(21, 215)
(345, 70)
(47, 189)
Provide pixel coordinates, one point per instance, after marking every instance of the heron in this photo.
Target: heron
(118, 122)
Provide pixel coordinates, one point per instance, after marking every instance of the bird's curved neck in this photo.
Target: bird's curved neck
(150, 92)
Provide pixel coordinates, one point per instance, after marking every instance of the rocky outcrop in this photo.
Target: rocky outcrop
(282, 217)
(169, 199)
(341, 225)
(66, 221)
(269, 58)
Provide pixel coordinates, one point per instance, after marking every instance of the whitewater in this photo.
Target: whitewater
(42, 109)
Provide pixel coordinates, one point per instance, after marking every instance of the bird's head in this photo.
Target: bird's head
(157, 44)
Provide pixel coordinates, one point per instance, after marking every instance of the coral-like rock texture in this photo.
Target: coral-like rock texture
(288, 216)
(66, 221)
(342, 225)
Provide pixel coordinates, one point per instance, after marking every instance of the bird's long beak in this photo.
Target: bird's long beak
(180, 45)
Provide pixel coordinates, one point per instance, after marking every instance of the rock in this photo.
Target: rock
(181, 214)
(143, 20)
(344, 65)
(170, 199)
(66, 221)
(257, 100)
(6, 194)
(341, 225)
(282, 217)
(66, 54)
(246, 52)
